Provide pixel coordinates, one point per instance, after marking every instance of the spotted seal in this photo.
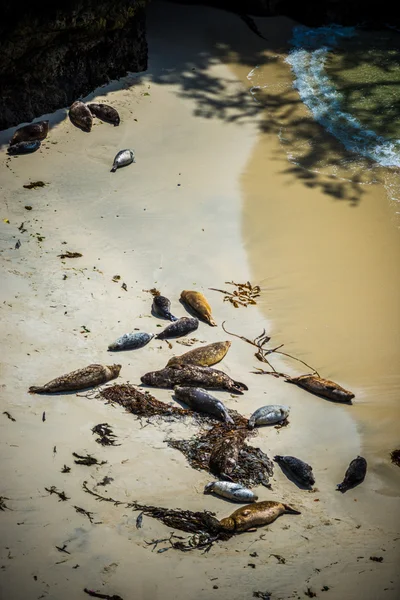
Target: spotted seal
(201, 401)
(268, 415)
(354, 475)
(105, 113)
(179, 328)
(87, 377)
(298, 469)
(230, 490)
(199, 304)
(122, 159)
(80, 116)
(24, 147)
(256, 515)
(30, 133)
(204, 377)
(131, 341)
(225, 455)
(322, 387)
(205, 356)
(162, 307)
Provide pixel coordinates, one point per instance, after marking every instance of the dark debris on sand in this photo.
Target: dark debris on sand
(253, 466)
(105, 433)
(395, 456)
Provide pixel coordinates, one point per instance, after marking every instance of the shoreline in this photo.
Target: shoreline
(172, 220)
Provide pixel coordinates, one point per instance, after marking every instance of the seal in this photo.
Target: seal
(232, 491)
(105, 113)
(256, 515)
(205, 356)
(24, 147)
(179, 328)
(322, 387)
(201, 401)
(199, 304)
(131, 341)
(204, 377)
(298, 469)
(30, 133)
(225, 455)
(268, 415)
(162, 307)
(87, 377)
(123, 159)
(354, 475)
(80, 116)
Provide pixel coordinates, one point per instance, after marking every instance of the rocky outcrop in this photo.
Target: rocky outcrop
(53, 53)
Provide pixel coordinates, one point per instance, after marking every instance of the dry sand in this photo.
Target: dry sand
(172, 220)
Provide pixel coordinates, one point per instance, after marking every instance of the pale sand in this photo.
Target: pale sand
(172, 237)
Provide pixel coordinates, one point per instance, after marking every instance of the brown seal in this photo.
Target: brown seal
(78, 380)
(30, 133)
(225, 454)
(199, 304)
(205, 356)
(256, 515)
(105, 113)
(81, 116)
(322, 387)
(204, 377)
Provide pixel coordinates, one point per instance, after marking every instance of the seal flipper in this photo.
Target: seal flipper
(238, 387)
(114, 169)
(35, 389)
(290, 510)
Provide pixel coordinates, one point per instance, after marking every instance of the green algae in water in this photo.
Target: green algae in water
(365, 69)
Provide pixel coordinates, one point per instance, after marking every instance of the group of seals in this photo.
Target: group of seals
(81, 115)
(28, 138)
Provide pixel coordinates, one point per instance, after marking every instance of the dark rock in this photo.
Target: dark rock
(52, 54)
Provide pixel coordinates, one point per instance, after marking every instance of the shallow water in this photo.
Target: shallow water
(322, 231)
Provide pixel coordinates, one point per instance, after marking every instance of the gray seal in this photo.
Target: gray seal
(354, 475)
(230, 490)
(196, 376)
(201, 401)
(131, 341)
(179, 328)
(24, 148)
(105, 113)
(162, 308)
(268, 415)
(123, 159)
(298, 469)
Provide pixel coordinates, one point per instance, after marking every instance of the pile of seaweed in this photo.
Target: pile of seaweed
(253, 466)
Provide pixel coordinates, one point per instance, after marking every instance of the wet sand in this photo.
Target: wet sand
(175, 219)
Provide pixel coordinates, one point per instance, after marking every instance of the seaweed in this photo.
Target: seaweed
(8, 415)
(106, 436)
(34, 184)
(82, 511)
(395, 457)
(69, 254)
(87, 460)
(3, 505)
(98, 595)
(53, 490)
(253, 466)
(244, 295)
(66, 469)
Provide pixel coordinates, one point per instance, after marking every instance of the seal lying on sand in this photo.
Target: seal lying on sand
(233, 491)
(78, 380)
(80, 116)
(322, 387)
(30, 133)
(179, 328)
(201, 401)
(256, 515)
(298, 469)
(355, 474)
(162, 307)
(105, 113)
(24, 147)
(123, 159)
(204, 377)
(268, 415)
(225, 455)
(131, 341)
(205, 356)
(199, 304)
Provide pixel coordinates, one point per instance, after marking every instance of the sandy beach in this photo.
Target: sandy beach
(209, 199)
